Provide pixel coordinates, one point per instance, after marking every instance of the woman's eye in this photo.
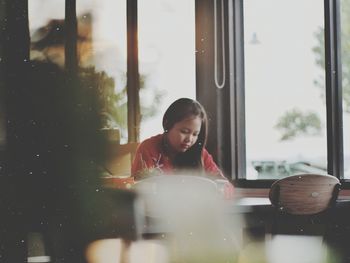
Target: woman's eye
(185, 131)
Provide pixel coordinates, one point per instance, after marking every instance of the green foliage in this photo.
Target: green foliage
(294, 123)
(113, 104)
(345, 55)
(152, 109)
(320, 60)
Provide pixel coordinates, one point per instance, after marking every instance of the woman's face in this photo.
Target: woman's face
(184, 134)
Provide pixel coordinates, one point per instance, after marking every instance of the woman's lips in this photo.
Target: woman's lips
(185, 146)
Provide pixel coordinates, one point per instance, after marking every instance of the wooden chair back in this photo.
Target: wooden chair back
(119, 158)
(304, 194)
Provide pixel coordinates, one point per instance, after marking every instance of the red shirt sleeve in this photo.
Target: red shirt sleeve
(146, 160)
(211, 167)
(139, 161)
(209, 164)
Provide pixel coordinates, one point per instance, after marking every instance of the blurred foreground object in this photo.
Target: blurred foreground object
(121, 251)
(189, 213)
(288, 249)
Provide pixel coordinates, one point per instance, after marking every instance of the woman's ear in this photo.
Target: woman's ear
(166, 125)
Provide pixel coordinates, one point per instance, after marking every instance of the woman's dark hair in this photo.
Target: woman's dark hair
(179, 110)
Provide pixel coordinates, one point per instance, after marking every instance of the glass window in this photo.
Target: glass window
(109, 59)
(101, 49)
(345, 57)
(46, 21)
(284, 88)
(166, 58)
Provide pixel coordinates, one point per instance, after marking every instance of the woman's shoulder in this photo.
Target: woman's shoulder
(152, 143)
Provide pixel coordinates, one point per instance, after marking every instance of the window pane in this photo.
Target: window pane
(108, 58)
(345, 57)
(101, 47)
(167, 58)
(45, 24)
(284, 88)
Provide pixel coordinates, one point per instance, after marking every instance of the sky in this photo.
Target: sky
(281, 66)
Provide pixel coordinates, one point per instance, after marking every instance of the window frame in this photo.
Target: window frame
(334, 96)
(335, 157)
(236, 91)
(133, 75)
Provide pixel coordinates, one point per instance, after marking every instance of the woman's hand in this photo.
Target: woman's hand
(226, 188)
(228, 191)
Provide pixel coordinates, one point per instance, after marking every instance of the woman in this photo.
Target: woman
(180, 147)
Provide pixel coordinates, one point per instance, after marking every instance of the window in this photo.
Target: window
(166, 57)
(285, 95)
(284, 88)
(282, 107)
(166, 32)
(290, 73)
(101, 49)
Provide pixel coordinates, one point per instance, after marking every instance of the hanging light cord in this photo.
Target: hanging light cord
(222, 84)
